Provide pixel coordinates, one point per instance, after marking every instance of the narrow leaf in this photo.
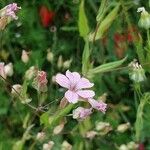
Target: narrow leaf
(105, 24)
(107, 67)
(85, 58)
(82, 22)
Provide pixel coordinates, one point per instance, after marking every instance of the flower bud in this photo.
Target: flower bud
(90, 134)
(16, 90)
(132, 145)
(58, 129)
(60, 62)
(9, 69)
(144, 21)
(66, 146)
(48, 146)
(103, 127)
(40, 136)
(53, 79)
(123, 147)
(40, 81)
(25, 56)
(67, 64)
(123, 127)
(2, 70)
(137, 73)
(50, 56)
(30, 73)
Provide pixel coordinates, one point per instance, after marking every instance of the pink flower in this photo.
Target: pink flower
(2, 71)
(98, 105)
(76, 86)
(81, 113)
(11, 10)
(40, 82)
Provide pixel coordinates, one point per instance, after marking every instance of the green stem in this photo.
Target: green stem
(148, 37)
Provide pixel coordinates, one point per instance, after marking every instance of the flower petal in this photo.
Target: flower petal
(74, 77)
(86, 93)
(72, 97)
(101, 106)
(62, 80)
(84, 83)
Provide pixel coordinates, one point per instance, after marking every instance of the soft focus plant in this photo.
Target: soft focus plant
(58, 59)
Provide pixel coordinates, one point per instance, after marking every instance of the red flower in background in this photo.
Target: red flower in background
(46, 15)
(141, 147)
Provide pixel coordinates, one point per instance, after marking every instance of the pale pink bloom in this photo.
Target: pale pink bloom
(2, 71)
(40, 81)
(11, 9)
(81, 113)
(98, 105)
(76, 86)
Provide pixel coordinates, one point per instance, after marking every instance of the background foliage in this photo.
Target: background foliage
(117, 42)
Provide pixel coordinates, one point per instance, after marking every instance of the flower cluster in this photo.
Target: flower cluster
(7, 14)
(78, 91)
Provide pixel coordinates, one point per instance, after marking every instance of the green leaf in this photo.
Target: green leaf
(53, 120)
(101, 11)
(143, 118)
(105, 24)
(82, 22)
(85, 58)
(107, 67)
(44, 118)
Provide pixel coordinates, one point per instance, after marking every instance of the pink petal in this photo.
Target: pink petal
(74, 77)
(72, 97)
(101, 106)
(86, 93)
(62, 80)
(2, 71)
(84, 83)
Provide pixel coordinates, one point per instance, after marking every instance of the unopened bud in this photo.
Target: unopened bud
(103, 128)
(54, 79)
(50, 56)
(30, 73)
(40, 136)
(144, 21)
(60, 62)
(137, 73)
(132, 145)
(16, 89)
(9, 69)
(123, 127)
(91, 134)
(58, 129)
(2, 70)
(123, 147)
(25, 56)
(48, 146)
(66, 146)
(67, 64)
